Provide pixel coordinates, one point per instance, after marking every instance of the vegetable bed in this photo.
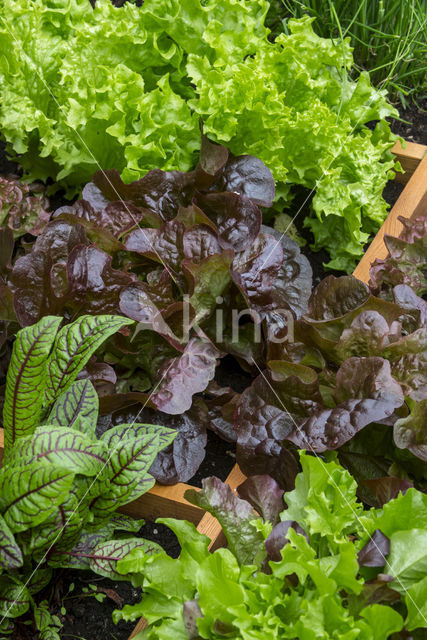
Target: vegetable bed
(183, 196)
(169, 501)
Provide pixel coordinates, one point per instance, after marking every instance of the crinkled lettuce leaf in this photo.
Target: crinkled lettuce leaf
(125, 88)
(325, 576)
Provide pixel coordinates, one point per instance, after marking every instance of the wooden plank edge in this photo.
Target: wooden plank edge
(409, 157)
(412, 201)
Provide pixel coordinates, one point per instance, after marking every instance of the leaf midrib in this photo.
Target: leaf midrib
(19, 376)
(28, 493)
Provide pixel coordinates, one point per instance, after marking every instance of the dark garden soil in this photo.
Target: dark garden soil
(87, 618)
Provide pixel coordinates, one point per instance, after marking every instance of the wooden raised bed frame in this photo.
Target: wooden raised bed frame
(169, 501)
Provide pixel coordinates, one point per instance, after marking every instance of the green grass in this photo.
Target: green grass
(388, 36)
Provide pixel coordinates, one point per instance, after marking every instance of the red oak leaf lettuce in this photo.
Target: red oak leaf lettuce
(357, 360)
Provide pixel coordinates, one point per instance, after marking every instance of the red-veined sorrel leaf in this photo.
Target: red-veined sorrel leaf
(14, 598)
(61, 447)
(122, 432)
(179, 461)
(37, 581)
(28, 495)
(26, 379)
(77, 408)
(77, 557)
(127, 474)
(62, 528)
(100, 555)
(10, 553)
(74, 345)
(107, 554)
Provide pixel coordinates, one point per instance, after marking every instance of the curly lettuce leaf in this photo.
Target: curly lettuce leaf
(154, 71)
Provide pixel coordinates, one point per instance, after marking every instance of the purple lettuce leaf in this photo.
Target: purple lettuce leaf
(292, 287)
(368, 334)
(237, 218)
(161, 192)
(7, 312)
(6, 251)
(378, 466)
(208, 280)
(413, 228)
(387, 488)
(39, 279)
(201, 241)
(250, 177)
(365, 393)
(279, 406)
(222, 404)
(185, 375)
(256, 269)
(192, 215)
(235, 516)
(152, 305)
(412, 304)
(23, 207)
(101, 375)
(331, 324)
(265, 495)
(335, 297)
(278, 539)
(101, 236)
(64, 275)
(94, 286)
(261, 427)
(116, 218)
(408, 360)
(374, 553)
(180, 460)
(213, 158)
(406, 261)
(163, 245)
